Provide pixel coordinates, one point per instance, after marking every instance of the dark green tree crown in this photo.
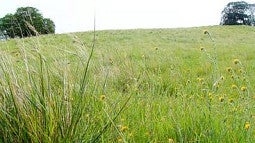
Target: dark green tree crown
(25, 22)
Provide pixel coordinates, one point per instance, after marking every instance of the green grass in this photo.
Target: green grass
(159, 85)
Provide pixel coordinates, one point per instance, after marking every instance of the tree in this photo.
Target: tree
(49, 26)
(8, 25)
(238, 13)
(27, 21)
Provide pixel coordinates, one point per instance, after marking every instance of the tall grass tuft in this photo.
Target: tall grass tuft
(52, 99)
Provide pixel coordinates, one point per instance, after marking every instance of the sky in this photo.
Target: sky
(78, 15)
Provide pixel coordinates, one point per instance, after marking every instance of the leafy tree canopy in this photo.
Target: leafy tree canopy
(238, 13)
(25, 22)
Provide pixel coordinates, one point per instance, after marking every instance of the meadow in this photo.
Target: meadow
(143, 85)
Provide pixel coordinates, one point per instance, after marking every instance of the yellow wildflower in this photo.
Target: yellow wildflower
(120, 139)
(171, 140)
(231, 100)
(228, 69)
(102, 97)
(234, 86)
(188, 81)
(123, 128)
(247, 125)
(200, 79)
(210, 96)
(243, 88)
(221, 99)
(236, 61)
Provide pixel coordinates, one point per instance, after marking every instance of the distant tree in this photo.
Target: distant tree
(27, 21)
(8, 25)
(49, 26)
(238, 13)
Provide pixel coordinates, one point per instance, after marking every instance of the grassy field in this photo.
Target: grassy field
(160, 85)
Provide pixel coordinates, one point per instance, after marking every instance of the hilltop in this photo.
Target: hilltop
(141, 85)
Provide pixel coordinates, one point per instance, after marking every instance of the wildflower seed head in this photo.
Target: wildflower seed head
(241, 71)
(206, 32)
(231, 100)
(200, 79)
(243, 88)
(210, 96)
(102, 97)
(221, 99)
(234, 86)
(228, 69)
(188, 82)
(236, 61)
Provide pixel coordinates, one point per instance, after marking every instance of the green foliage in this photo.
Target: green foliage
(49, 26)
(238, 13)
(27, 21)
(7, 25)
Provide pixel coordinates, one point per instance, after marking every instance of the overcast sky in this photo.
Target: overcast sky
(78, 15)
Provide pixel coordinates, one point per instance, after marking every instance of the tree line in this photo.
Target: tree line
(25, 22)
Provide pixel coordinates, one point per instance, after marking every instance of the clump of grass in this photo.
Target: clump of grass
(51, 99)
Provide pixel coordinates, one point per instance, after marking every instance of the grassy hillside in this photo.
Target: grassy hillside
(160, 85)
